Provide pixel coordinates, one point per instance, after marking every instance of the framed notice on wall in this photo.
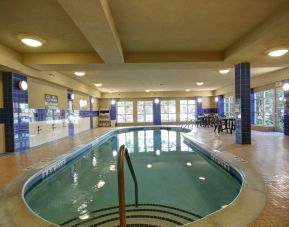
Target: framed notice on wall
(51, 101)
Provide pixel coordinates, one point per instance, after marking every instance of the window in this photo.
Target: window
(145, 111)
(187, 110)
(280, 108)
(168, 110)
(228, 106)
(124, 112)
(264, 107)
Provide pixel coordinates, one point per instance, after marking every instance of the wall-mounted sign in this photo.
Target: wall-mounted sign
(51, 101)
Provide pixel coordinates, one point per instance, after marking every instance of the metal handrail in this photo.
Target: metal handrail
(187, 123)
(123, 153)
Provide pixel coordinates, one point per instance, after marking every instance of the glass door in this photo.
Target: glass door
(279, 120)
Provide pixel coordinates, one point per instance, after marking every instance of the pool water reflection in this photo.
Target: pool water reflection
(168, 171)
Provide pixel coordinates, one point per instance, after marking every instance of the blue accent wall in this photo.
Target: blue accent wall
(157, 113)
(252, 106)
(220, 105)
(242, 103)
(210, 110)
(199, 107)
(286, 111)
(15, 113)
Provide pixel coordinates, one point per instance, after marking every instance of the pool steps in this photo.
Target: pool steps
(160, 215)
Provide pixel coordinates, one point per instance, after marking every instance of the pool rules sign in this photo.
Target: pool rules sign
(51, 101)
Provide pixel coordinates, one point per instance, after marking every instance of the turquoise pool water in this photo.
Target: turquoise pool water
(168, 172)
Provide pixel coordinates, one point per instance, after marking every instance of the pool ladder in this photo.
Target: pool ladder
(123, 153)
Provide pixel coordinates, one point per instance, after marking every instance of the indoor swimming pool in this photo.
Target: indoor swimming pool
(177, 184)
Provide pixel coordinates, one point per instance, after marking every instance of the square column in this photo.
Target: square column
(156, 112)
(220, 105)
(16, 113)
(70, 98)
(199, 106)
(286, 111)
(242, 103)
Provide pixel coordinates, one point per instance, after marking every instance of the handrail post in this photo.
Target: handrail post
(123, 153)
(121, 189)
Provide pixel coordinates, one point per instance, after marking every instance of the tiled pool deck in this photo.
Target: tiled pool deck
(268, 155)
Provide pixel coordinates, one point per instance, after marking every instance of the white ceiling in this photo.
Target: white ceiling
(146, 43)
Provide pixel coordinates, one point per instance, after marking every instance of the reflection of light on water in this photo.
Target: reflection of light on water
(224, 206)
(149, 166)
(114, 153)
(112, 168)
(75, 177)
(94, 161)
(189, 164)
(84, 216)
(202, 178)
(158, 152)
(100, 184)
(81, 207)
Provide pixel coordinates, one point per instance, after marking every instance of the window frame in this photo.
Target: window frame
(145, 115)
(188, 116)
(125, 114)
(171, 116)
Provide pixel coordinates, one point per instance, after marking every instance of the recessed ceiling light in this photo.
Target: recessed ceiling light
(30, 40)
(80, 74)
(187, 89)
(199, 83)
(224, 71)
(216, 99)
(278, 52)
(148, 90)
(202, 178)
(98, 85)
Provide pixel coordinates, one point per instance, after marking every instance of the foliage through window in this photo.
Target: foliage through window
(125, 112)
(145, 111)
(280, 108)
(228, 106)
(187, 110)
(168, 110)
(264, 108)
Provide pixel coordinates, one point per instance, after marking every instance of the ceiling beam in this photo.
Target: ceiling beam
(271, 33)
(60, 58)
(158, 57)
(94, 20)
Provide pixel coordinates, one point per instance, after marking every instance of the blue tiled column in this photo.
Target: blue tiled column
(113, 112)
(242, 103)
(252, 106)
(220, 105)
(199, 107)
(156, 113)
(16, 116)
(91, 112)
(286, 111)
(70, 113)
